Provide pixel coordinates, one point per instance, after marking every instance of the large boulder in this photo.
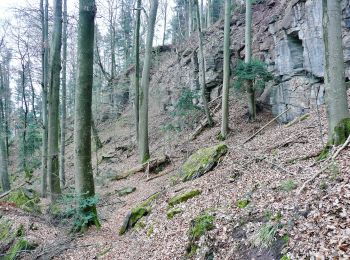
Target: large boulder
(202, 161)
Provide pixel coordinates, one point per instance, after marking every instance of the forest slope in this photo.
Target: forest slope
(267, 171)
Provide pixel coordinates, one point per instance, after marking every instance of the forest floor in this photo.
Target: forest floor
(267, 171)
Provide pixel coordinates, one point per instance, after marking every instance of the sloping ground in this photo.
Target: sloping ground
(267, 172)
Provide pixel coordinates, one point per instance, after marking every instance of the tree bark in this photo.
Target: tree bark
(226, 81)
(336, 96)
(137, 68)
(202, 63)
(84, 179)
(144, 95)
(64, 96)
(165, 21)
(45, 64)
(248, 58)
(5, 180)
(54, 94)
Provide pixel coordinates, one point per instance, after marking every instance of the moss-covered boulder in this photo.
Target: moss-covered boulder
(125, 191)
(26, 199)
(183, 197)
(172, 212)
(137, 213)
(202, 161)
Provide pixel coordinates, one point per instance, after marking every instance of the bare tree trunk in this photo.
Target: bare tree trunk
(165, 20)
(226, 81)
(248, 57)
(209, 13)
(202, 62)
(94, 130)
(64, 96)
(336, 96)
(54, 94)
(84, 179)
(5, 180)
(137, 68)
(144, 96)
(45, 65)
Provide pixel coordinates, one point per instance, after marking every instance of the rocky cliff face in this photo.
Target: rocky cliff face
(287, 36)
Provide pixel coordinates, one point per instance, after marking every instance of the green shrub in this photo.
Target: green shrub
(256, 71)
(265, 236)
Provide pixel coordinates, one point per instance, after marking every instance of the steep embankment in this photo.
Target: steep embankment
(267, 171)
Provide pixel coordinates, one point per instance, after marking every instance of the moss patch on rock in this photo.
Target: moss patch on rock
(183, 197)
(137, 213)
(26, 199)
(125, 191)
(172, 212)
(202, 161)
(199, 226)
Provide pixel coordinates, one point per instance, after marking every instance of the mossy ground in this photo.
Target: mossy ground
(202, 161)
(26, 199)
(172, 212)
(199, 226)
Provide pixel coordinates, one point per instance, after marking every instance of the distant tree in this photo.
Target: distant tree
(202, 64)
(248, 57)
(44, 10)
(54, 95)
(144, 95)
(334, 73)
(226, 80)
(137, 68)
(64, 96)
(4, 175)
(85, 186)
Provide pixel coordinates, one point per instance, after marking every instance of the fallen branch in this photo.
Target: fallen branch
(151, 165)
(262, 128)
(13, 189)
(278, 166)
(198, 130)
(298, 120)
(334, 156)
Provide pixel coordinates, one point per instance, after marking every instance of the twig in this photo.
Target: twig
(269, 123)
(334, 156)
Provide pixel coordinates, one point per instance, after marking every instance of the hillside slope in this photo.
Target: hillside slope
(267, 171)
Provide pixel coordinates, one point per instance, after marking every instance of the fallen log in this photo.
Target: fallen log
(151, 165)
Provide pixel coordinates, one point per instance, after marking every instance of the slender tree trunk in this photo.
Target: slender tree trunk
(84, 179)
(190, 18)
(25, 120)
(137, 68)
(64, 96)
(248, 57)
(165, 20)
(226, 81)
(5, 180)
(143, 125)
(54, 95)
(202, 63)
(45, 69)
(209, 13)
(336, 96)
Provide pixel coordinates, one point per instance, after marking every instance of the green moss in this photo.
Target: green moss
(242, 203)
(200, 225)
(19, 246)
(140, 225)
(137, 213)
(20, 232)
(125, 191)
(5, 230)
(202, 161)
(183, 197)
(26, 199)
(288, 185)
(285, 257)
(150, 231)
(341, 132)
(172, 212)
